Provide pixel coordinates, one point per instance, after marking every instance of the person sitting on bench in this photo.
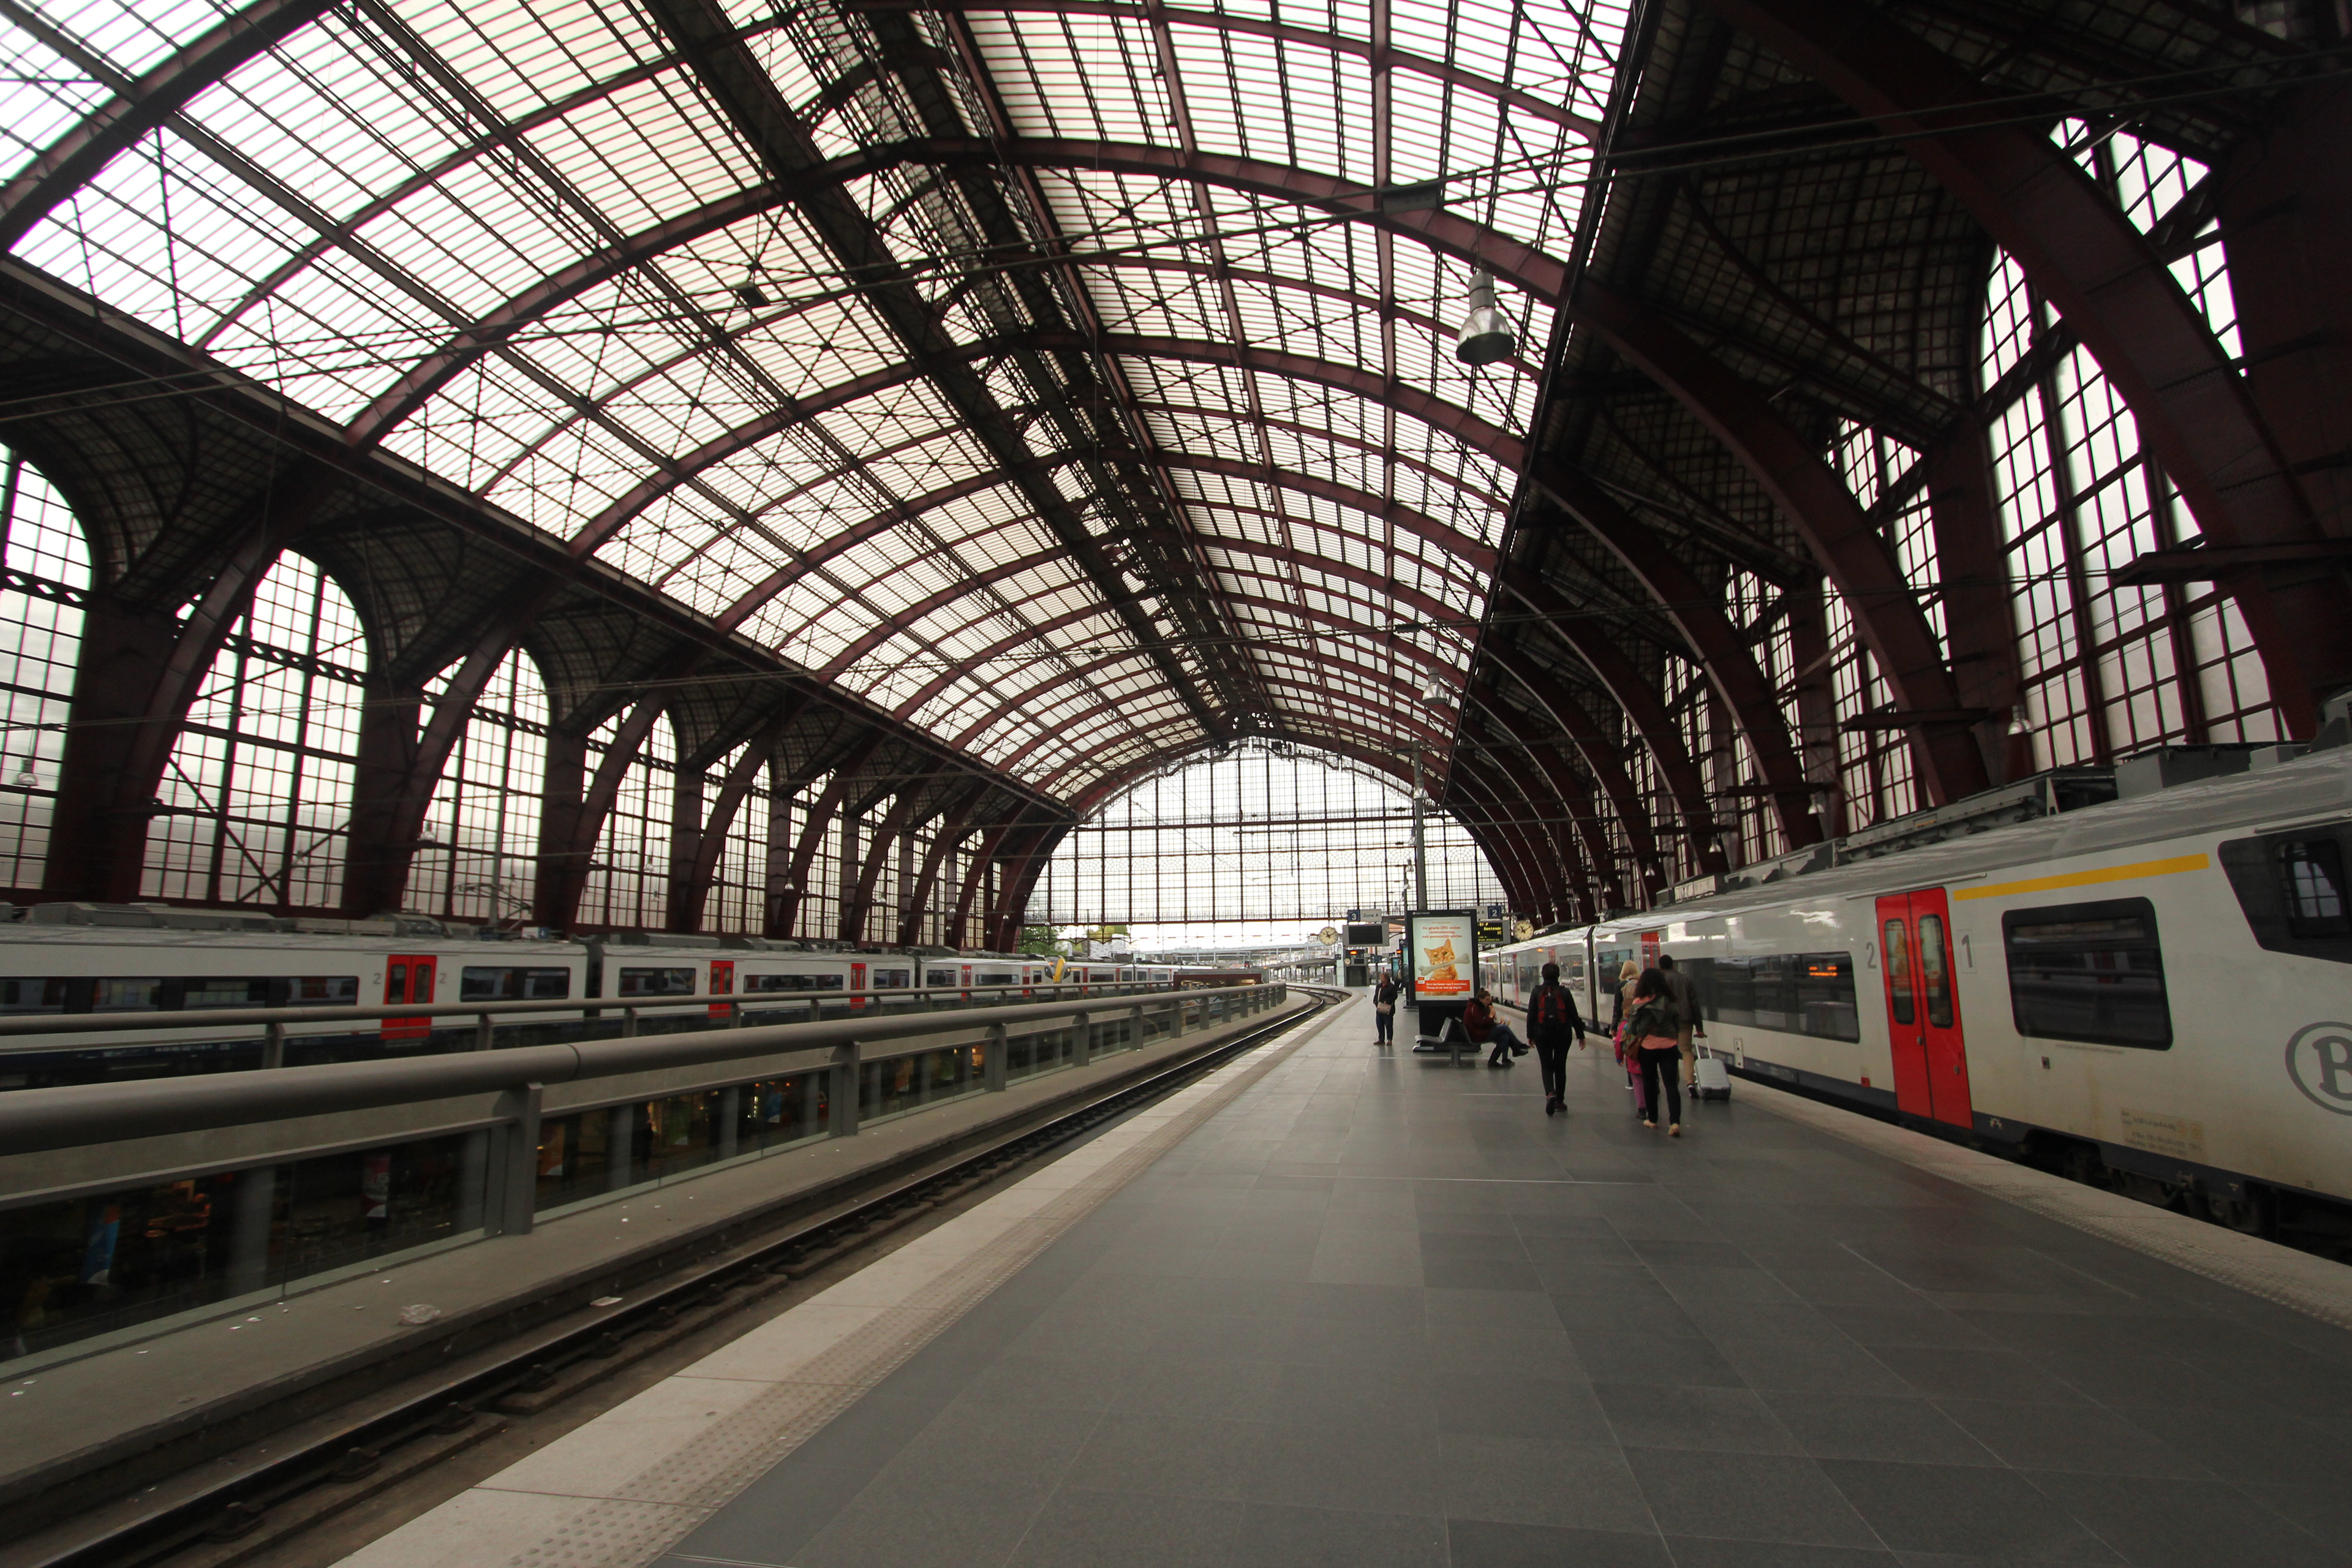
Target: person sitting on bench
(1479, 1022)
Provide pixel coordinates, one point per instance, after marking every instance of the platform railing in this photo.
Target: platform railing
(294, 1020)
(298, 1173)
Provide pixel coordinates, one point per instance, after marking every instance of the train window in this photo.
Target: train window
(940, 977)
(2311, 874)
(2092, 973)
(2294, 892)
(31, 995)
(1898, 948)
(656, 982)
(1935, 973)
(791, 982)
(323, 991)
(395, 982)
(511, 982)
(212, 991)
(890, 979)
(995, 979)
(141, 995)
(1796, 993)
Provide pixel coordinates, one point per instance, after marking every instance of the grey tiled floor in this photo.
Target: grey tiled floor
(1380, 1312)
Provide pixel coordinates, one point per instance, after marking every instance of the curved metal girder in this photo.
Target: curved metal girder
(1599, 750)
(1380, 56)
(1503, 448)
(1548, 811)
(138, 106)
(1385, 722)
(887, 833)
(1517, 814)
(1426, 603)
(1640, 702)
(2193, 411)
(980, 726)
(1083, 802)
(697, 868)
(1514, 856)
(1575, 793)
(1523, 266)
(1477, 555)
(953, 830)
(1816, 502)
(1719, 647)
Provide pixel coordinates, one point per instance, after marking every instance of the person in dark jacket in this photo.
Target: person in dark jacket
(1683, 995)
(1478, 1021)
(1384, 1005)
(1553, 1025)
(1649, 1030)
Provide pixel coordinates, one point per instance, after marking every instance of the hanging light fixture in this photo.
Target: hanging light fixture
(1486, 336)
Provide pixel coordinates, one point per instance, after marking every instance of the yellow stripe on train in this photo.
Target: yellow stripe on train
(2137, 868)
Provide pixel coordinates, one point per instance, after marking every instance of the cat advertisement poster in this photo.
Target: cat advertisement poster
(1443, 944)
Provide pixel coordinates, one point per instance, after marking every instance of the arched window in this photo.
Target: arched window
(820, 903)
(40, 639)
(736, 901)
(628, 877)
(1255, 837)
(478, 854)
(2109, 671)
(256, 797)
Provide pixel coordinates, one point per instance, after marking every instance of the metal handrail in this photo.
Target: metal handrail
(32, 1121)
(294, 1014)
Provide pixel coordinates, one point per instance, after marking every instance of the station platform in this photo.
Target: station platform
(1335, 1305)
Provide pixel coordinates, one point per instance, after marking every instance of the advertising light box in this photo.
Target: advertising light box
(1443, 947)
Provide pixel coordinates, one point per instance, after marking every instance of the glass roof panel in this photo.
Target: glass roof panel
(519, 243)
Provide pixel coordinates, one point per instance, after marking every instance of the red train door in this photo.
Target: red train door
(858, 983)
(407, 977)
(722, 984)
(1922, 1006)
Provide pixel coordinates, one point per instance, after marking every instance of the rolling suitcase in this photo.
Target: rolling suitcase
(1714, 1080)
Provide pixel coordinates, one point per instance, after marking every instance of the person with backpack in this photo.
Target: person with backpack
(1683, 995)
(1384, 1001)
(1649, 1032)
(1553, 1025)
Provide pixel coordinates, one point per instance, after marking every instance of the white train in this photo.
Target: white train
(125, 960)
(2156, 991)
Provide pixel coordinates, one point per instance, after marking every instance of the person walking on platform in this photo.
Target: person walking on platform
(1620, 1004)
(1384, 1004)
(1478, 1021)
(1650, 1031)
(1553, 1025)
(1684, 994)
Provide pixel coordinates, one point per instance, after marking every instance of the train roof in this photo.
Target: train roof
(2310, 789)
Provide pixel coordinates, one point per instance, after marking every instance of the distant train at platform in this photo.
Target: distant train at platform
(2155, 992)
(64, 960)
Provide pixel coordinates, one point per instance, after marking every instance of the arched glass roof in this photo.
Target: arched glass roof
(1073, 379)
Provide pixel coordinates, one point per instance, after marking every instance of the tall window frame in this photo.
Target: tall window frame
(255, 804)
(46, 584)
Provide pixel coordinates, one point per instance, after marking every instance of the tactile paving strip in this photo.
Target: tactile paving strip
(2313, 1286)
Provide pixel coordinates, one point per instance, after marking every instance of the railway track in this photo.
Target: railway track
(326, 1466)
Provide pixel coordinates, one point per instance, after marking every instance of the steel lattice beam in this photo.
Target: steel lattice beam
(2193, 411)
